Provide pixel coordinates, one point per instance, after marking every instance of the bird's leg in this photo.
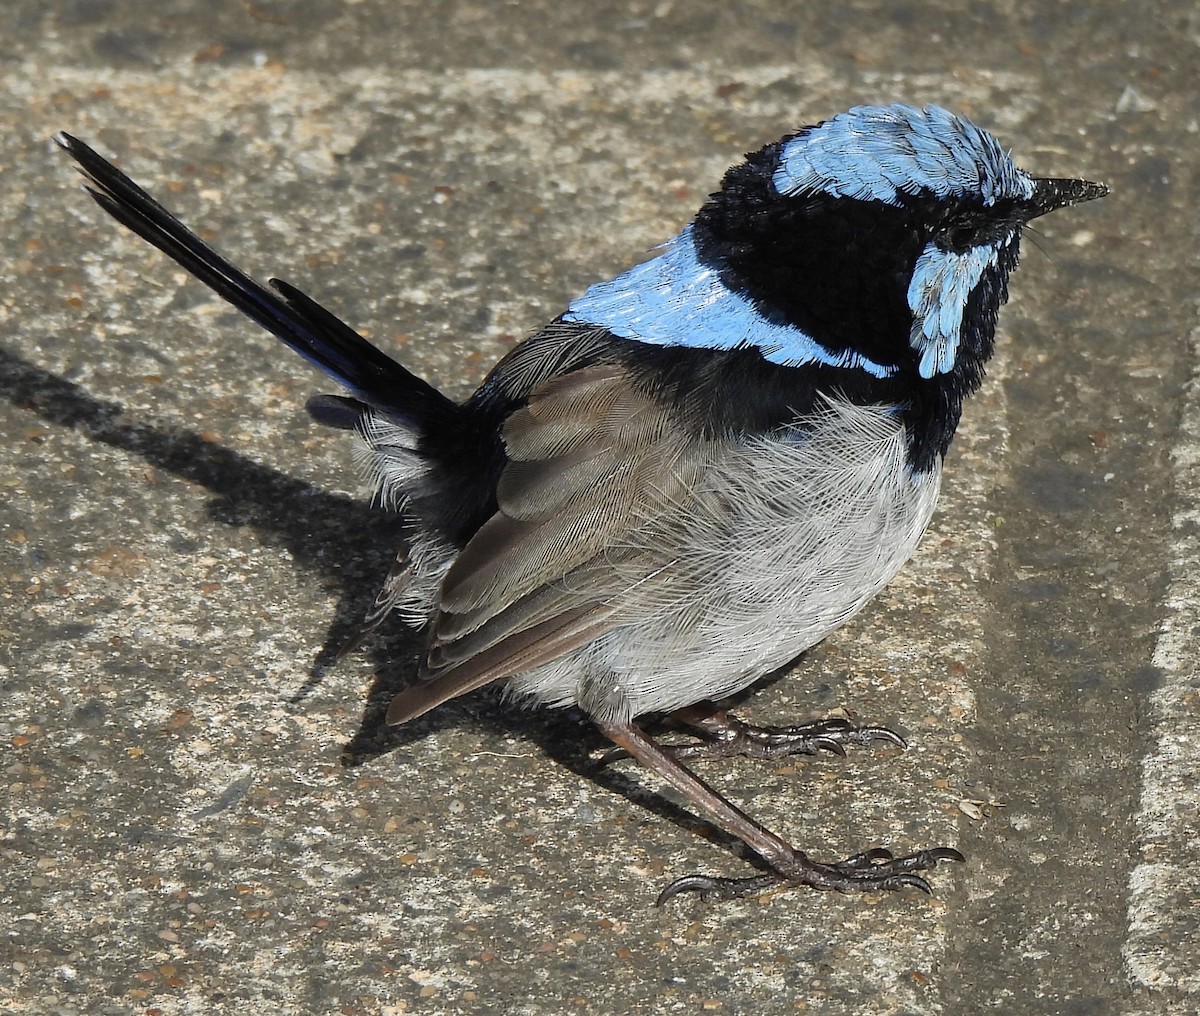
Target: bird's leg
(869, 871)
(720, 734)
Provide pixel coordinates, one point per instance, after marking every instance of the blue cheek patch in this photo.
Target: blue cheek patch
(677, 300)
(877, 153)
(942, 282)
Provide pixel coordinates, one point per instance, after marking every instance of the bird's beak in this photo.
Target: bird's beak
(1051, 194)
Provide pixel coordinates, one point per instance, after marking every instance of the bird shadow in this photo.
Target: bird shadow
(350, 545)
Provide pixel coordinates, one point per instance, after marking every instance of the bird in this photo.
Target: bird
(703, 466)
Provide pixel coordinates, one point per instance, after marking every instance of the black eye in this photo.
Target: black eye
(975, 226)
(957, 238)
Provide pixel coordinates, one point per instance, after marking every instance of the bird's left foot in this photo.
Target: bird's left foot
(874, 870)
(720, 734)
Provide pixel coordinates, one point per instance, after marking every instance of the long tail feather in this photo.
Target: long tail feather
(300, 322)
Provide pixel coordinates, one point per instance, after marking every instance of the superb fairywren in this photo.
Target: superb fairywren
(706, 464)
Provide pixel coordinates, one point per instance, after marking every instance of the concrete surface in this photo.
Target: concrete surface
(198, 818)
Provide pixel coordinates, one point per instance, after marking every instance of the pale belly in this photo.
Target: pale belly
(782, 541)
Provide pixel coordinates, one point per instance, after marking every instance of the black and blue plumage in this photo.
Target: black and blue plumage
(707, 463)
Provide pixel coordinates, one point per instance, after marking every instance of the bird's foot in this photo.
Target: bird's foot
(873, 870)
(723, 735)
(720, 734)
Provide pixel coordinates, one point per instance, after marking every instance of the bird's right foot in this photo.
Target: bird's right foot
(875, 870)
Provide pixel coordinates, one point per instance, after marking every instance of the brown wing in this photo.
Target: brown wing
(591, 462)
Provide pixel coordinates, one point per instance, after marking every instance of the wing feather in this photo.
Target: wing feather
(592, 461)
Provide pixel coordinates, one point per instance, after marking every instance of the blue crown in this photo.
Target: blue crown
(878, 153)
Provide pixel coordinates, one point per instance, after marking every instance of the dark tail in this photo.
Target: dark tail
(371, 375)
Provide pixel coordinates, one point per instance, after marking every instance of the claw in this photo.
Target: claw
(611, 756)
(702, 884)
(885, 734)
(908, 882)
(944, 854)
(865, 859)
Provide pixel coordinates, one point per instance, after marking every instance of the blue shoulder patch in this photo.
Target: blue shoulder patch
(675, 299)
(877, 153)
